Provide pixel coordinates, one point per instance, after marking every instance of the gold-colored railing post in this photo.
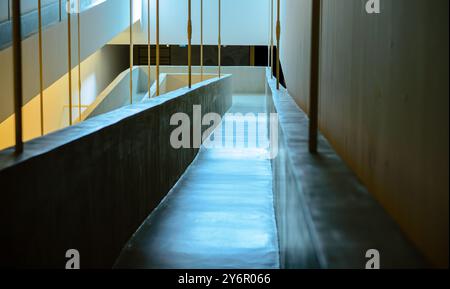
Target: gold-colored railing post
(157, 47)
(69, 60)
(220, 40)
(201, 39)
(252, 55)
(149, 49)
(271, 38)
(41, 74)
(79, 59)
(17, 70)
(268, 37)
(278, 43)
(189, 32)
(131, 51)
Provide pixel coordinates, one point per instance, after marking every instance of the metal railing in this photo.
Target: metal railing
(77, 7)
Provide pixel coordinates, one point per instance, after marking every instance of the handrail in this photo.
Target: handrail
(78, 6)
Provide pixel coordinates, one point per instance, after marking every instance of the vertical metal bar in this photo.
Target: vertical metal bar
(9, 9)
(189, 32)
(268, 37)
(271, 38)
(131, 51)
(149, 48)
(252, 55)
(278, 43)
(220, 40)
(41, 74)
(17, 63)
(60, 10)
(69, 59)
(157, 47)
(201, 39)
(79, 60)
(314, 81)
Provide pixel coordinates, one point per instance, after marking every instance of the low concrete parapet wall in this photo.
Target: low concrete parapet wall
(90, 186)
(326, 218)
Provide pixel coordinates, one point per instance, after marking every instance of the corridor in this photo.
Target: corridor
(224, 134)
(220, 215)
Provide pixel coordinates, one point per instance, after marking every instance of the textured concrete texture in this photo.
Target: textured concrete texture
(90, 186)
(383, 103)
(326, 218)
(220, 215)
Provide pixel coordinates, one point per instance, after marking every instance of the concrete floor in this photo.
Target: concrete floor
(220, 215)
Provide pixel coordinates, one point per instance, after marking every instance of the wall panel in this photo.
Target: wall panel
(383, 103)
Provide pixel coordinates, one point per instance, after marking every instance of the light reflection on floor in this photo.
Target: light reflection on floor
(219, 215)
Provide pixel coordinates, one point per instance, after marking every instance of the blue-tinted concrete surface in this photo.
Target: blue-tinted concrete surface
(220, 214)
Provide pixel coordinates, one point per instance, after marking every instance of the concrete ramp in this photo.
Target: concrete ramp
(220, 215)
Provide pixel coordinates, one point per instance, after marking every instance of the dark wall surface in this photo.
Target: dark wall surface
(383, 103)
(90, 186)
(325, 217)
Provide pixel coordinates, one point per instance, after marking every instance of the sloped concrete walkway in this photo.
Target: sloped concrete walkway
(220, 215)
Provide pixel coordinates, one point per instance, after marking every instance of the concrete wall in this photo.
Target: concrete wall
(383, 103)
(90, 186)
(30, 5)
(243, 22)
(297, 243)
(117, 94)
(25, 7)
(245, 80)
(4, 10)
(326, 218)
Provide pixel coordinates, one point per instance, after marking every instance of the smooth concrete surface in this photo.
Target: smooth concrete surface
(245, 80)
(89, 187)
(326, 217)
(117, 93)
(248, 25)
(383, 103)
(220, 214)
